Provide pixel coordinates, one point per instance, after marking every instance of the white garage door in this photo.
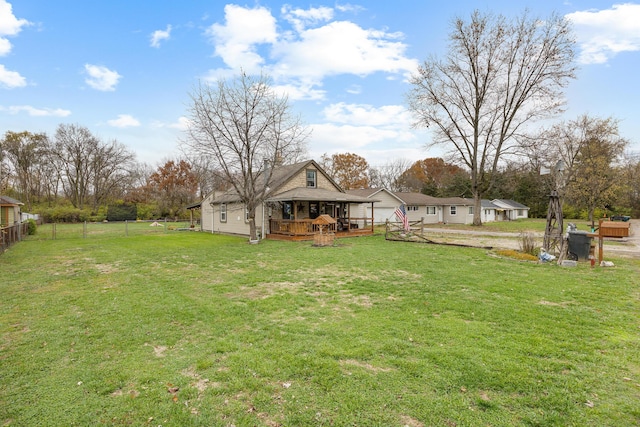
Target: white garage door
(382, 214)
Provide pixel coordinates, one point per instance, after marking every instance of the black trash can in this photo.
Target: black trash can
(579, 245)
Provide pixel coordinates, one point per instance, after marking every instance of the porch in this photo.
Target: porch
(304, 229)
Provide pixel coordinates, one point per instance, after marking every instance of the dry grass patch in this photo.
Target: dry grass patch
(563, 304)
(520, 256)
(369, 367)
(408, 421)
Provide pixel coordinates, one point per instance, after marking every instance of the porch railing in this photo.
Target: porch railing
(302, 227)
(12, 234)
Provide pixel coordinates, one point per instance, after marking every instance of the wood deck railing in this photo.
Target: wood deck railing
(305, 227)
(12, 234)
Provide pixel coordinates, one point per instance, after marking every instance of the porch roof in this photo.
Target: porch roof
(303, 194)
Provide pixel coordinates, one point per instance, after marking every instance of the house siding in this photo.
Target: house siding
(236, 224)
(300, 180)
(431, 218)
(9, 215)
(382, 210)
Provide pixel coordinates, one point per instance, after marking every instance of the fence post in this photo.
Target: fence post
(165, 225)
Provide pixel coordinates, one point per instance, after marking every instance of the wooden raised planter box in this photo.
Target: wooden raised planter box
(613, 229)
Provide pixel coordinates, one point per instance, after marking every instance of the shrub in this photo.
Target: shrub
(147, 211)
(65, 214)
(122, 212)
(528, 243)
(31, 227)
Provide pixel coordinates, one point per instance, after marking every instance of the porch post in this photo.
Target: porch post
(373, 216)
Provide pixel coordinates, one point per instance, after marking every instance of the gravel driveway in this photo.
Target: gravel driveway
(628, 247)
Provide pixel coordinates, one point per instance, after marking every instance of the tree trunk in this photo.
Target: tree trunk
(477, 209)
(253, 235)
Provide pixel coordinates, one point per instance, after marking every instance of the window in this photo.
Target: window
(453, 210)
(223, 212)
(470, 210)
(431, 210)
(520, 212)
(313, 210)
(311, 178)
(246, 214)
(412, 208)
(287, 210)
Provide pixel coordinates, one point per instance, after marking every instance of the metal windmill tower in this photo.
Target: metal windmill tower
(553, 231)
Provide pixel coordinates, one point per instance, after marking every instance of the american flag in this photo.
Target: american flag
(401, 214)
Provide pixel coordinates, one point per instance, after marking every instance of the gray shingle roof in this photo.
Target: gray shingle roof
(6, 200)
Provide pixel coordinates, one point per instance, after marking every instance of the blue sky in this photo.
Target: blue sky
(124, 69)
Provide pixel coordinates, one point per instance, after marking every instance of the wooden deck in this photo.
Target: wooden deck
(300, 230)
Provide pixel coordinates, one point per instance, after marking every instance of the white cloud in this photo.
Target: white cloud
(37, 112)
(235, 41)
(378, 134)
(299, 89)
(11, 79)
(314, 49)
(346, 48)
(101, 78)
(181, 124)
(124, 121)
(301, 18)
(160, 35)
(602, 34)
(9, 26)
(387, 116)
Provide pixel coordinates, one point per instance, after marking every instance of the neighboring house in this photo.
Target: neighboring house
(508, 210)
(380, 211)
(488, 211)
(296, 195)
(9, 211)
(418, 206)
(456, 210)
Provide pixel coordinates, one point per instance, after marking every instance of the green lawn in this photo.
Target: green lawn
(194, 329)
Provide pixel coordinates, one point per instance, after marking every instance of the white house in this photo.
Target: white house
(296, 195)
(418, 206)
(508, 210)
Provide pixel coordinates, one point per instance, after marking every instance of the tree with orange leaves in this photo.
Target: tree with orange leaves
(175, 186)
(349, 170)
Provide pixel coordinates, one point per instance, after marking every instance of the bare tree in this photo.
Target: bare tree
(112, 167)
(246, 128)
(204, 168)
(89, 169)
(388, 175)
(26, 155)
(497, 77)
